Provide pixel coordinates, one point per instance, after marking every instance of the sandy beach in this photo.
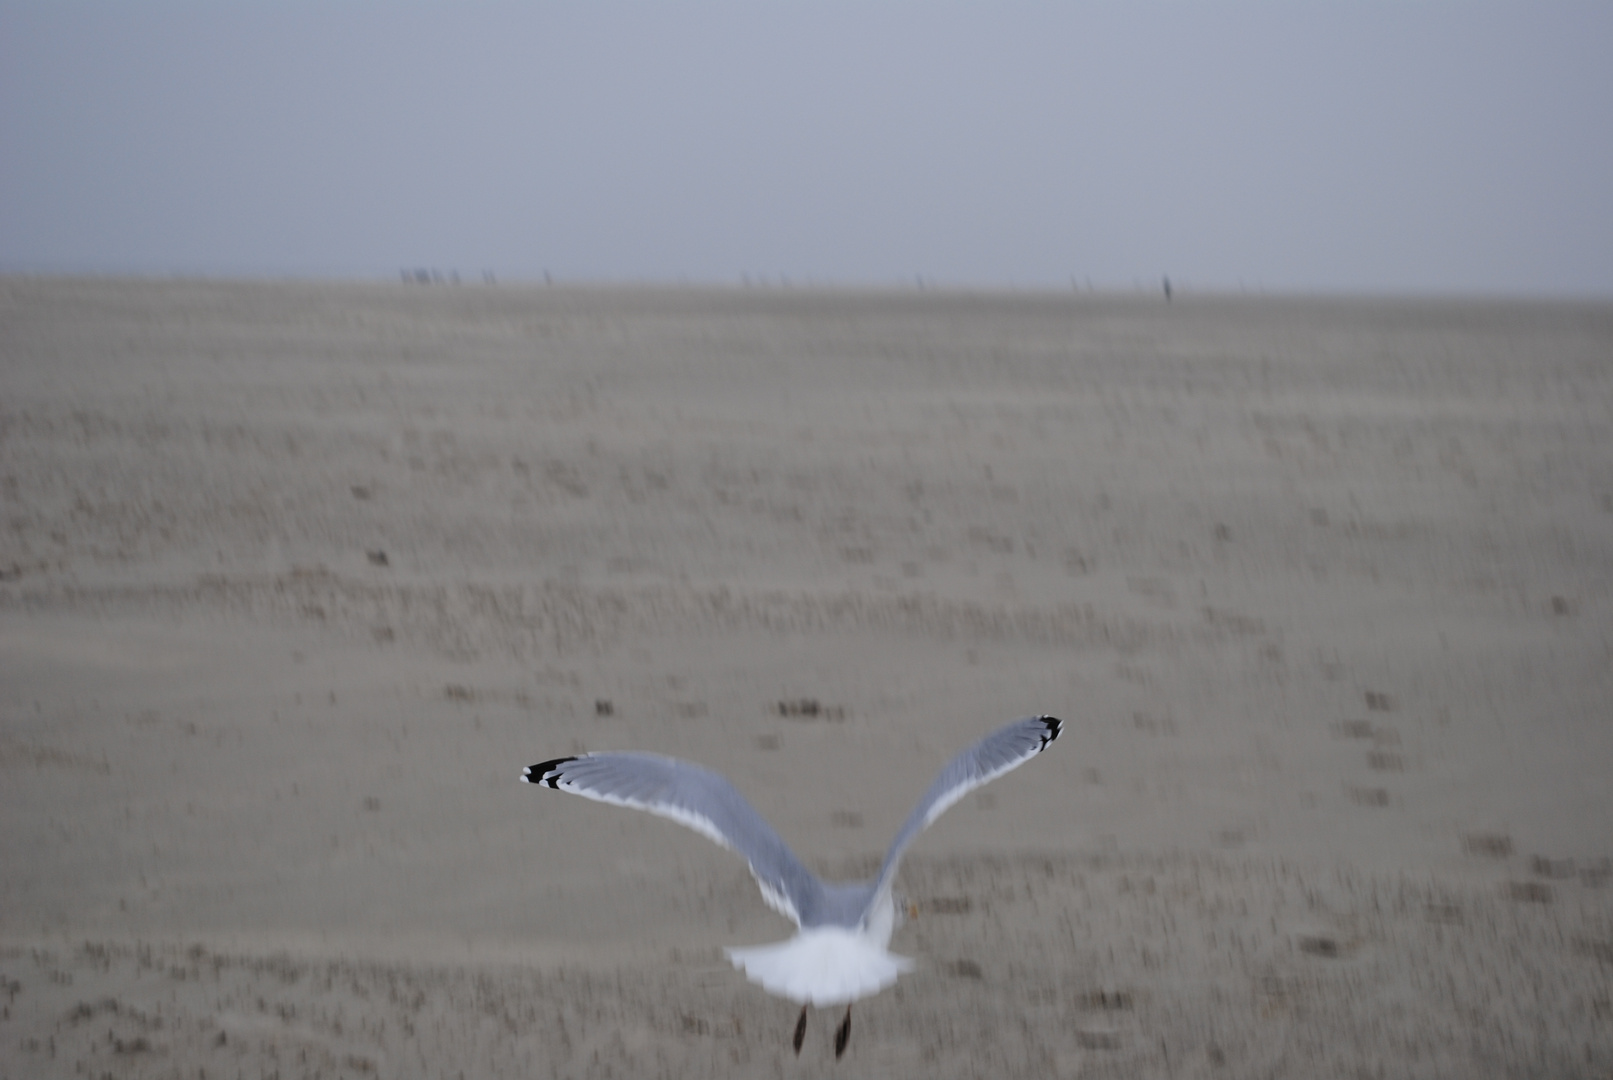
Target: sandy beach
(296, 577)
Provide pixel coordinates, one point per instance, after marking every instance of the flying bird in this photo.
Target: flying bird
(839, 954)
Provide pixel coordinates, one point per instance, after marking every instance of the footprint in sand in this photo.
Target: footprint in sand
(1487, 845)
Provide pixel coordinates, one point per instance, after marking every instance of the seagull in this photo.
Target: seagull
(839, 954)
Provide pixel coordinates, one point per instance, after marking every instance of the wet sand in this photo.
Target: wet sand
(295, 578)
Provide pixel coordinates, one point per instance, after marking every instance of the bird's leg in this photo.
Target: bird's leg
(843, 1034)
(800, 1031)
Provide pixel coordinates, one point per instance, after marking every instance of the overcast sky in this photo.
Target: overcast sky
(1293, 146)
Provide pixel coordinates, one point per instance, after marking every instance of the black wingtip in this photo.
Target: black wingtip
(546, 772)
(1055, 727)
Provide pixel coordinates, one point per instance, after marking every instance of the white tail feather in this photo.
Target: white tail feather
(824, 966)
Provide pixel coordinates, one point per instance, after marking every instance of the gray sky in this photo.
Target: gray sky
(1302, 145)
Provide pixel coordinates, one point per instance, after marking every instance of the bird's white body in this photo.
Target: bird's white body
(828, 965)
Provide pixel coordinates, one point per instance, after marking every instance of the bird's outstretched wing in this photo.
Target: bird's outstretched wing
(696, 797)
(1003, 750)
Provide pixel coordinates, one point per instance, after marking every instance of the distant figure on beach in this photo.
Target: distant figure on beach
(1167, 288)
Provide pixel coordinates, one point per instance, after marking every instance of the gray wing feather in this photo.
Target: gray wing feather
(1003, 750)
(700, 799)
